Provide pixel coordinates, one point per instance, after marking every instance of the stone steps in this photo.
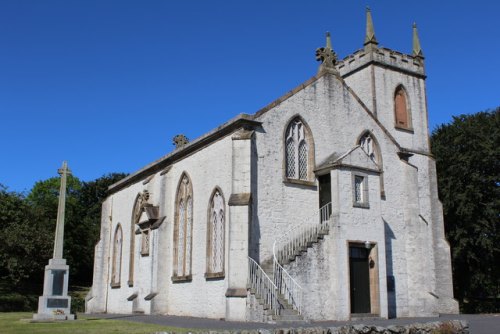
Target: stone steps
(287, 313)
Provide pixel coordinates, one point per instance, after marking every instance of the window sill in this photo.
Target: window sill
(214, 276)
(115, 285)
(403, 129)
(361, 205)
(182, 279)
(300, 182)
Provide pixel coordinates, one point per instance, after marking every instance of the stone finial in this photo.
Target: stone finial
(327, 57)
(370, 31)
(417, 50)
(180, 141)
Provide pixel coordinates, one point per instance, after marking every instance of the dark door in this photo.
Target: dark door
(325, 190)
(360, 279)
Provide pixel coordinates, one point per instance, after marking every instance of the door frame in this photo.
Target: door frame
(373, 272)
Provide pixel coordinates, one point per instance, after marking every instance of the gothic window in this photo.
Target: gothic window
(401, 109)
(368, 145)
(140, 201)
(215, 235)
(299, 153)
(117, 257)
(183, 229)
(136, 213)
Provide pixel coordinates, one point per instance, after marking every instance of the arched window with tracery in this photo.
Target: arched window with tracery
(401, 109)
(299, 151)
(117, 257)
(369, 145)
(216, 235)
(183, 229)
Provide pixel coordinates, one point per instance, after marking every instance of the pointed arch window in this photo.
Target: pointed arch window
(183, 230)
(299, 151)
(401, 109)
(369, 144)
(117, 257)
(216, 235)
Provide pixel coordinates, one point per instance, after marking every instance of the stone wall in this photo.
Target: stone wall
(437, 327)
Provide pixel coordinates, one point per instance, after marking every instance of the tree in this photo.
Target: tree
(467, 155)
(27, 235)
(16, 251)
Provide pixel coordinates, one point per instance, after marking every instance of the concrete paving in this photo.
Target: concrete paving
(478, 323)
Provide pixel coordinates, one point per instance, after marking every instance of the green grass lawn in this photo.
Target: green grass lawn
(18, 322)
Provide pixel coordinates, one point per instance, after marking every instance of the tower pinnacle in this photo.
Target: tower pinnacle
(328, 41)
(370, 31)
(417, 50)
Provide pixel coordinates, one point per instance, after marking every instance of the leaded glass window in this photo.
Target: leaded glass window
(216, 233)
(183, 228)
(297, 151)
(358, 189)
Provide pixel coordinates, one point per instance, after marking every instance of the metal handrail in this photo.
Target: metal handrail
(290, 244)
(263, 286)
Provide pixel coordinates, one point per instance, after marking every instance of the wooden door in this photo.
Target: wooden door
(359, 279)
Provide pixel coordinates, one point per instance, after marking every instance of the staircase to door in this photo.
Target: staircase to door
(275, 289)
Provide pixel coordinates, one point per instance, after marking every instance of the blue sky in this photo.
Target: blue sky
(107, 84)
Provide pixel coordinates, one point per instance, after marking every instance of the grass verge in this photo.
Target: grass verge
(18, 323)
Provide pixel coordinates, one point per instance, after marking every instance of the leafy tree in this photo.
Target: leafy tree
(16, 252)
(467, 155)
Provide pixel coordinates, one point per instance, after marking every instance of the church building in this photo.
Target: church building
(323, 205)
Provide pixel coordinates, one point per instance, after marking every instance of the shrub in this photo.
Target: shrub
(18, 303)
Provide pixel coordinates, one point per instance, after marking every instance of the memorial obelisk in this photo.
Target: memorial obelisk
(55, 304)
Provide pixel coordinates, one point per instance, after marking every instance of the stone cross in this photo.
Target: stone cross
(327, 57)
(59, 238)
(55, 304)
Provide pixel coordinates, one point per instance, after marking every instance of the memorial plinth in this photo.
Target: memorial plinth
(55, 304)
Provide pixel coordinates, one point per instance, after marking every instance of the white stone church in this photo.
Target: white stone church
(322, 205)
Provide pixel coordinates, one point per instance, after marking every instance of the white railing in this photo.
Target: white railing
(289, 245)
(263, 286)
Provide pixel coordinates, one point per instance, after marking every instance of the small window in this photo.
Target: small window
(145, 243)
(360, 190)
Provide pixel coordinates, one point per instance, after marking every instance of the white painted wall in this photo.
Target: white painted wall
(406, 224)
